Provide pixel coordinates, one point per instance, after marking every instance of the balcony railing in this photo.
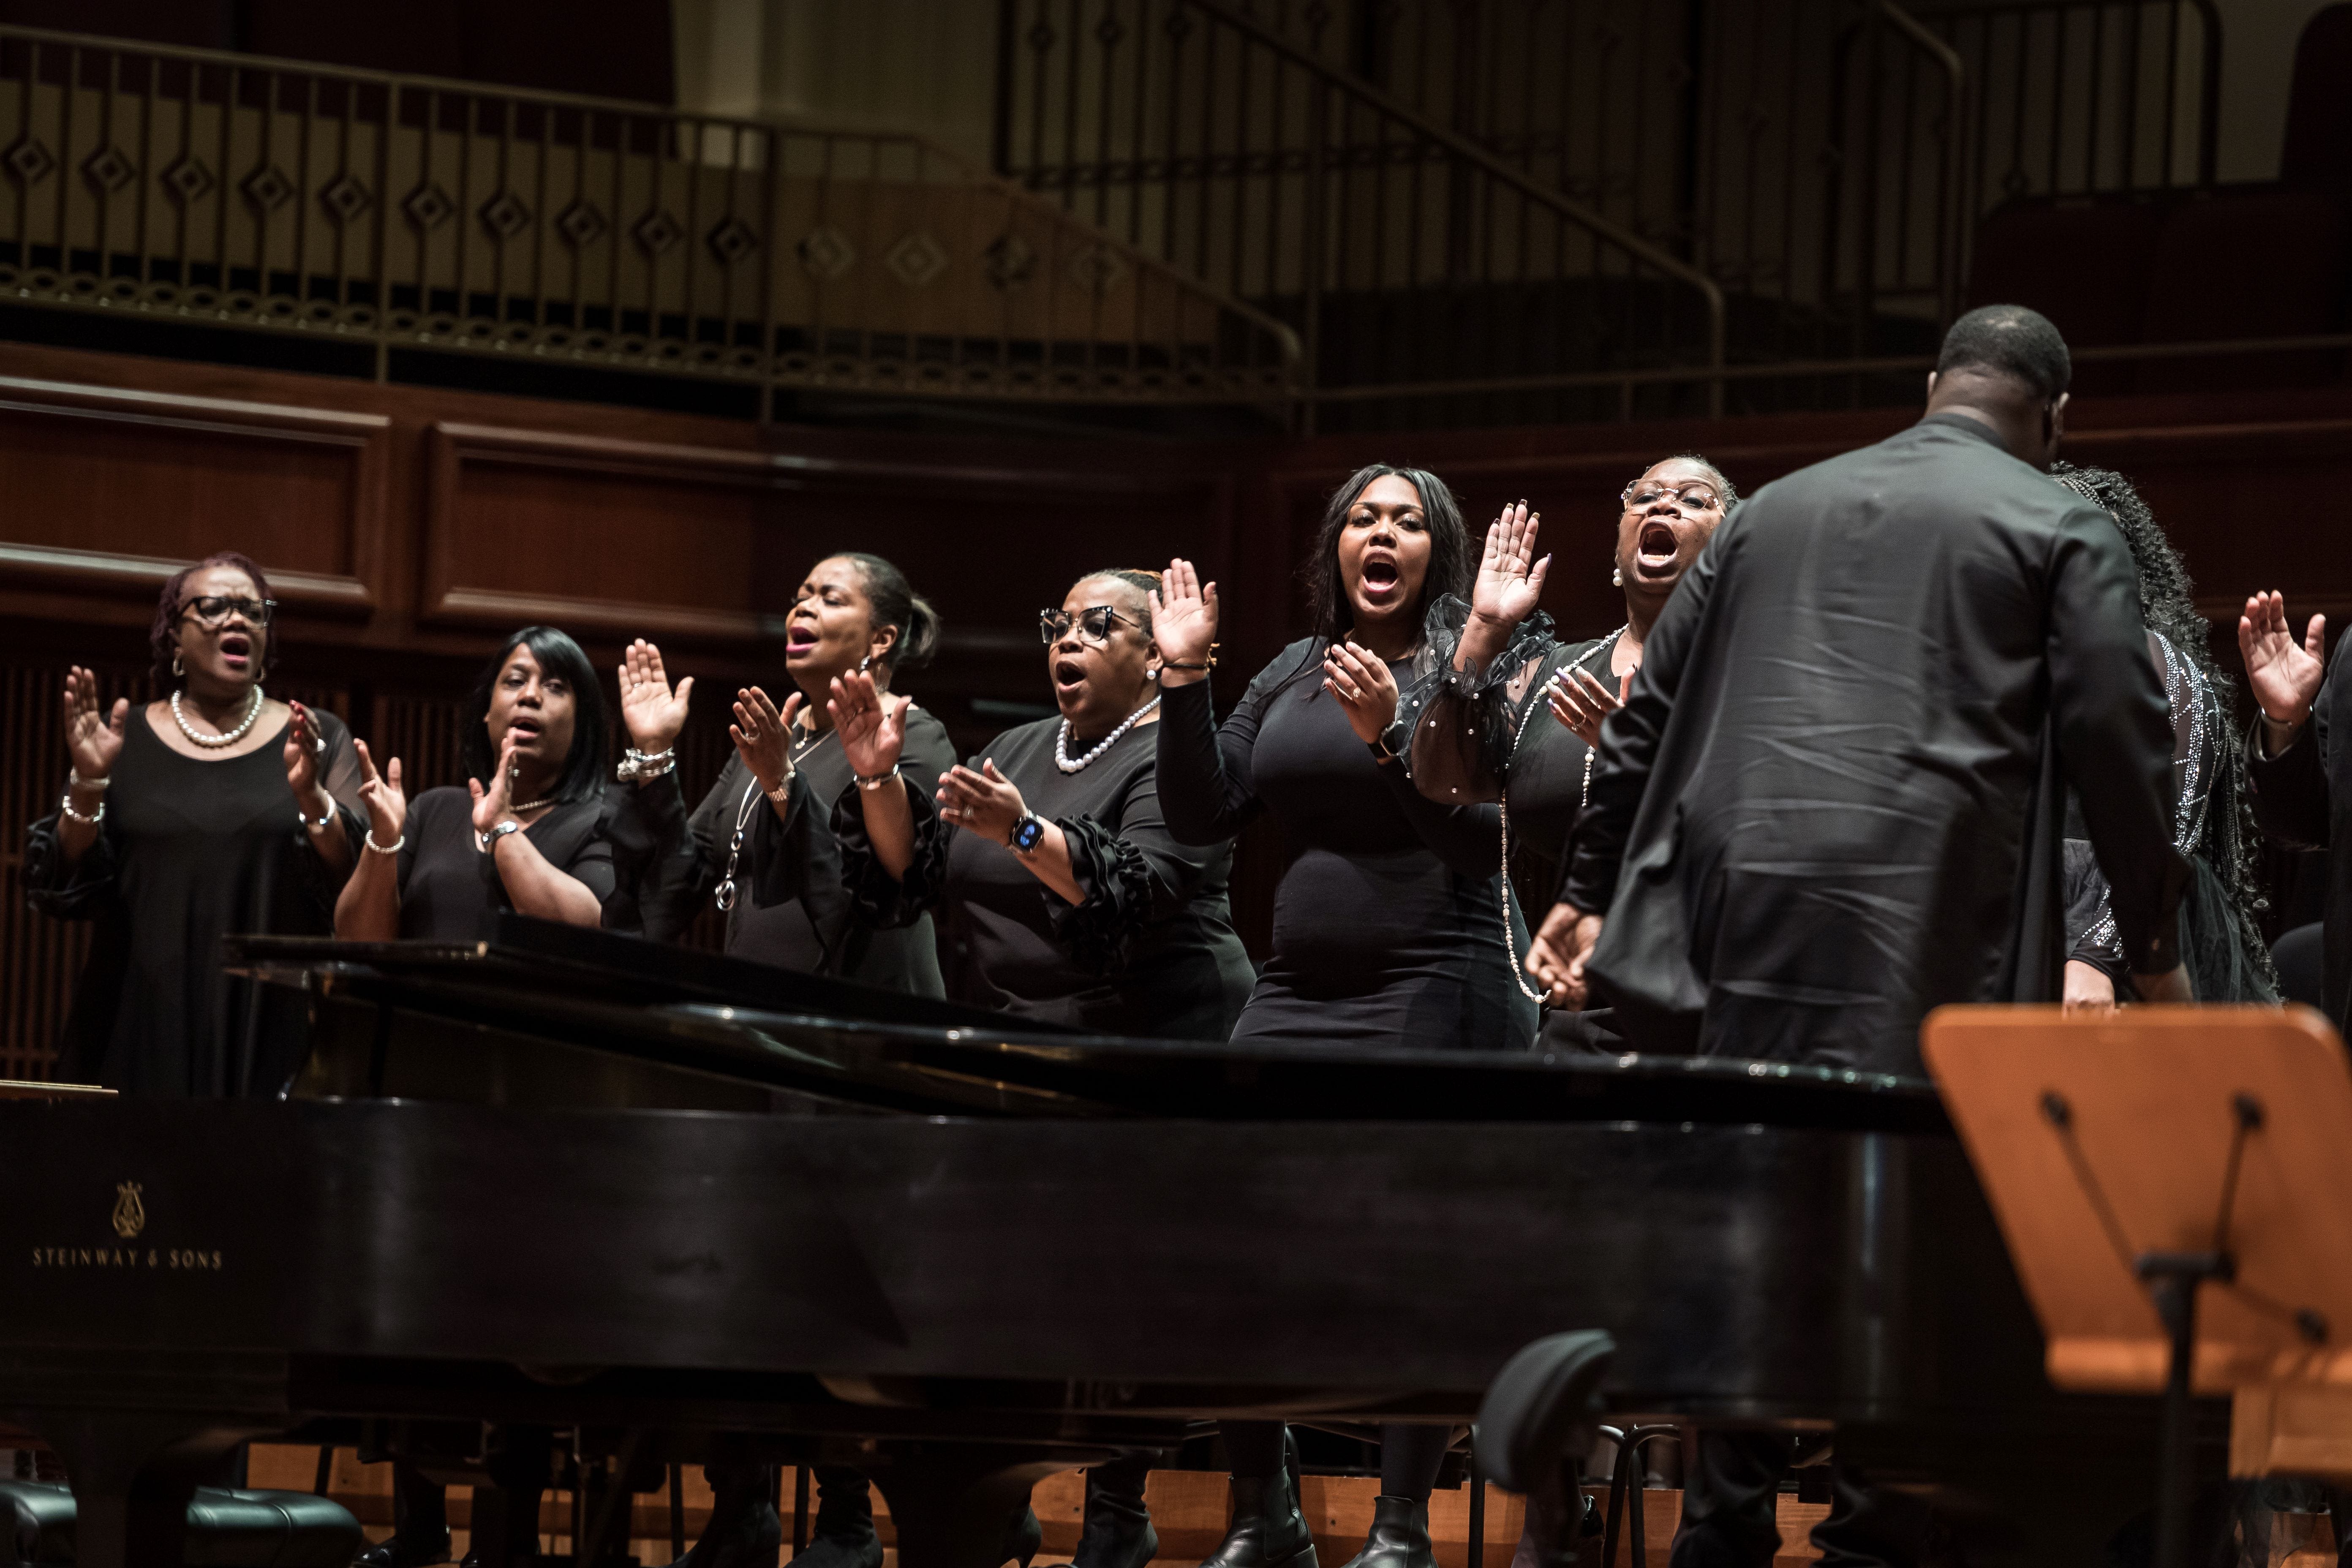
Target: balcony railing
(395, 212)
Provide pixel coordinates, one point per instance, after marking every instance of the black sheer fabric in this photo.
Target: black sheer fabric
(791, 907)
(192, 850)
(1150, 951)
(1389, 925)
(2223, 965)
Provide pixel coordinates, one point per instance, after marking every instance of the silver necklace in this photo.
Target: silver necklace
(226, 737)
(728, 889)
(1062, 740)
(1503, 810)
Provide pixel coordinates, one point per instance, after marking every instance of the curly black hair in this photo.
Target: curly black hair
(2168, 603)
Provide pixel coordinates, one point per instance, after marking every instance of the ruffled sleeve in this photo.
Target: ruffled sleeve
(878, 899)
(1121, 895)
(1463, 720)
(82, 891)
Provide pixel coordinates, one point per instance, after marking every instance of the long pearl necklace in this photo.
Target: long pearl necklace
(1502, 804)
(1062, 740)
(226, 737)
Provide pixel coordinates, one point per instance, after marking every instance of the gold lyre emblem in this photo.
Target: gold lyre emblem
(130, 1214)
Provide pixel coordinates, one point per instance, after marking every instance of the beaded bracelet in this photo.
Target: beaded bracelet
(64, 804)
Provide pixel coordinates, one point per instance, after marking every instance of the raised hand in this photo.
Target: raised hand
(763, 736)
(387, 806)
(2285, 677)
(1557, 957)
(985, 802)
(1582, 701)
(93, 738)
(1367, 692)
(495, 804)
(305, 748)
(1510, 580)
(1183, 621)
(872, 724)
(653, 713)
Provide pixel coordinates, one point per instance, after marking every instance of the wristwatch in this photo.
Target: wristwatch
(1027, 834)
(485, 840)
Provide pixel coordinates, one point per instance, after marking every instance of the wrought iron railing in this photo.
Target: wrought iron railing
(402, 212)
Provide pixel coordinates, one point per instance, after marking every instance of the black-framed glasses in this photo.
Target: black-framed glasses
(1691, 497)
(1094, 624)
(213, 610)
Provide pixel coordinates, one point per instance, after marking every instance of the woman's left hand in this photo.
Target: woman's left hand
(306, 748)
(984, 803)
(1367, 692)
(495, 804)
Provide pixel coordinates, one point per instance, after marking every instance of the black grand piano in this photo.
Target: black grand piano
(659, 1200)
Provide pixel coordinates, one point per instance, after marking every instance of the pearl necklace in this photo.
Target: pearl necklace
(226, 737)
(1062, 740)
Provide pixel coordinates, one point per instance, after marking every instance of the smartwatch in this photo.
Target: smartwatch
(1027, 833)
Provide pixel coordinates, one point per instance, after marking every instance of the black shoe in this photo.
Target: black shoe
(398, 1551)
(1399, 1536)
(1117, 1532)
(842, 1534)
(1023, 1538)
(744, 1532)
(1268, 1530)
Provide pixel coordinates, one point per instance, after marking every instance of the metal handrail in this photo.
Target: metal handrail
(1494, 168)
(138, 129)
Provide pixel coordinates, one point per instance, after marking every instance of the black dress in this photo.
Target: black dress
(1152, 952)
(2226, 963)
(1836, 793)
(791, 908)
(190, 851)
(450, 890)
(1488, 735)
(1388, 924)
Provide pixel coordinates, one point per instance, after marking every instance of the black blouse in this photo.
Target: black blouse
(191, 850)
(1388, 923)
(791, 908)
(1152, 952)
(450, 890)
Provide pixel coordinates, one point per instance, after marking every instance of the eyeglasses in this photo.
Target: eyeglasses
(1094, 624)
(213, 610)
(1693, 497)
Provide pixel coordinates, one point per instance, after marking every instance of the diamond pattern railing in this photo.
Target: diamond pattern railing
(225, 190)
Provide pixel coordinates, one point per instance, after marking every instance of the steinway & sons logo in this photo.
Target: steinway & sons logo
(129, 1219)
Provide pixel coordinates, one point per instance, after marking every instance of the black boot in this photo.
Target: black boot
(744, 1530)
(1022, 1536)
(1268, 1530)
(1400, 1537)
(842, 1535)
(420, 1523)
(1117, 1532)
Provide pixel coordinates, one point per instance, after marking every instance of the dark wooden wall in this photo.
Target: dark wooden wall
(407, 529)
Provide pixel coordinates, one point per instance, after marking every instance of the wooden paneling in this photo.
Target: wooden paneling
(112, 491)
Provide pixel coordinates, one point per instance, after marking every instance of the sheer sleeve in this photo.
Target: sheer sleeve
(1134, 872)
(878, 899)
(82, 892)
(338, 774)
(1463, 720)
(2090, 924)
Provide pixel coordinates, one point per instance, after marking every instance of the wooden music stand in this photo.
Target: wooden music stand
(2134, 1157)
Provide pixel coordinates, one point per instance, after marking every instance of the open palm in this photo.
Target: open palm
(1510, 580)
(1184, 615)
(653, 712)
(2284, 676)
(872, 724)
(93, 734)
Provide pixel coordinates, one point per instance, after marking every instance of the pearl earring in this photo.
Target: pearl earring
(1617, 578)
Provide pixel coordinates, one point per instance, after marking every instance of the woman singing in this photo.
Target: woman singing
(534, 831)
(1060, 892)
(772, 806)
(1387, 925)
(2213, 816)
(1476, 734)
(216, 809)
